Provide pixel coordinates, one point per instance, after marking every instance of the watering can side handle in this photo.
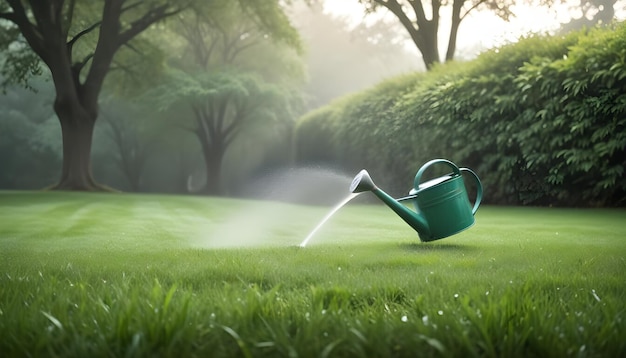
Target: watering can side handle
(420, 172)
(479, 189)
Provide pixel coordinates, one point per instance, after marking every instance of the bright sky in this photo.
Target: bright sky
(484, 29)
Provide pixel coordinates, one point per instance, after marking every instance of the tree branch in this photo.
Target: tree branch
(112, 36)
(238, 50)
(84, 32)
(231, 135)
(203, 129)
(30, 32)
(231, 130)
(234, 45)
(133, 48)
(78, 66)
(56, 13)
(477, 4)
(70, 18)
(413, 31)
(418, 9)
(244, 110)
(10, 16)
(151, 17)
(130, 7)
(436, 5)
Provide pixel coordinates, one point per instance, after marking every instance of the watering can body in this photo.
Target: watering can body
(442, 206)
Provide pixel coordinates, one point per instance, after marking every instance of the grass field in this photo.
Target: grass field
(147, 275)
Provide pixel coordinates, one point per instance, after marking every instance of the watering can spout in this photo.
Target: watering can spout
(363, 182)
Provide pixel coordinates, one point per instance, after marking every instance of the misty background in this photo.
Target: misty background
(143, 145)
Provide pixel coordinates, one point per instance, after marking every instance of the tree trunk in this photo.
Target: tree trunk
(425, 39)
(132, 158)
(430, 52)
(454, 29)
(77, 131)
(213, 162)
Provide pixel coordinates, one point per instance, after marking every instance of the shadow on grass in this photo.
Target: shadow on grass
(428, 247)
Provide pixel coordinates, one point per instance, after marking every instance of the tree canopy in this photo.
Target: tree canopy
(55, 31)
(236, 75)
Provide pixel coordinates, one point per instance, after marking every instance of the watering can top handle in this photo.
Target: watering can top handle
(418, 176)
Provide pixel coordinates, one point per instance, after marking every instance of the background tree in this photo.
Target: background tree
(132, 138)
(52, 30)
(422, 20)
(80, 42)
(239, 70)
(30, 150)
(221, 105)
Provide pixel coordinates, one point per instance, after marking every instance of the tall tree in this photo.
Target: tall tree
(237, 72)
(422, 20)
(52, 31)
(221, 104)
(128, 133)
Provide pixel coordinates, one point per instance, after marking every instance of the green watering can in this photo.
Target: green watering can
(442, 206)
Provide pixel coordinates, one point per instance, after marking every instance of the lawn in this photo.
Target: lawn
(142, 275)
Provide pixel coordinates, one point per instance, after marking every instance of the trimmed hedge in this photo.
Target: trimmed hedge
(541, 121)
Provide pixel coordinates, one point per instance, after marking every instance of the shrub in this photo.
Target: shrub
(541, 121)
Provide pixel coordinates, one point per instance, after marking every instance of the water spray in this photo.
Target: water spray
(327, 217)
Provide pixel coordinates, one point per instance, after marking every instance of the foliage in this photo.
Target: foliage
(220, 105)
(132, 138)
(583, 98)
(250, 35)
(240, 77)
(78, 27)
(467, 109)
(541, 120)
(62, 35)
(83, 43)
(148, 275)
(314, 142)
(326, 136)
(29, 136)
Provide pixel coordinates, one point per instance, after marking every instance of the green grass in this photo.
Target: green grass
(141, 275)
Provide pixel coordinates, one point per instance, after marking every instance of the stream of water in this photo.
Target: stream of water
(327, 217)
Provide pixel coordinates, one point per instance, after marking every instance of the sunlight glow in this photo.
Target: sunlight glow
(483, 30)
